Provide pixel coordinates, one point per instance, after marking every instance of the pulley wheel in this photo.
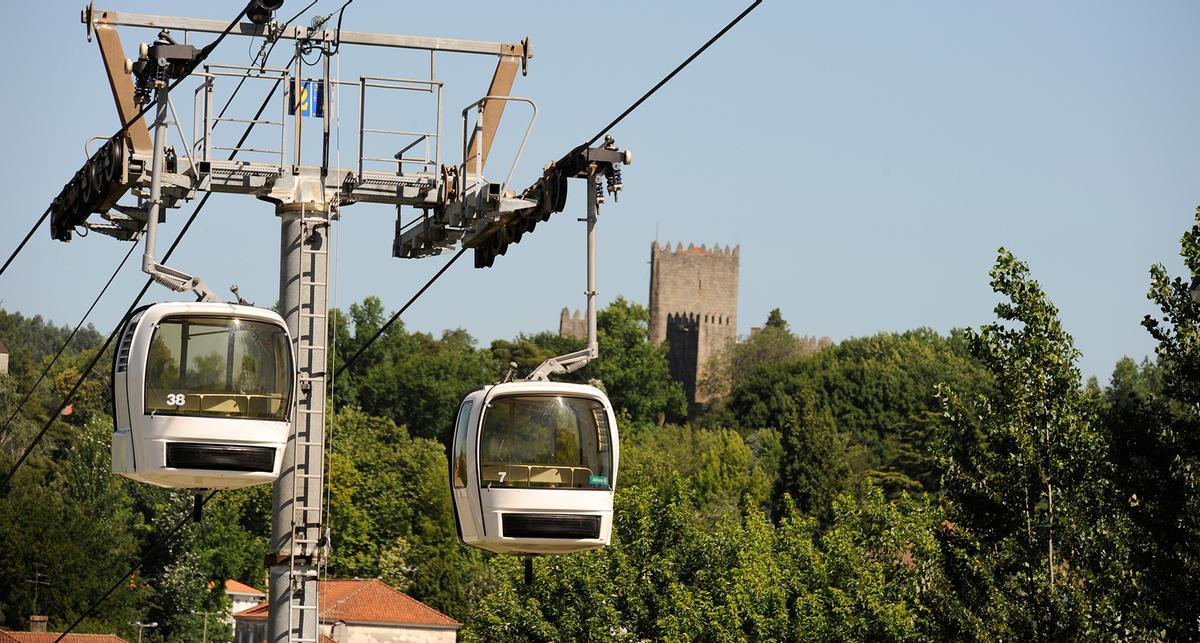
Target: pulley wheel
(94, 178)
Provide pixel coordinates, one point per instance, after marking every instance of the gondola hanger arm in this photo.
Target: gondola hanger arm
(568, 363)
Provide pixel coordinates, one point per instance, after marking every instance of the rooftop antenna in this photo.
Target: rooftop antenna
(37, 581)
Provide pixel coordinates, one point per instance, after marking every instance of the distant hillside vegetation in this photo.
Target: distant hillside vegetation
(32, 339)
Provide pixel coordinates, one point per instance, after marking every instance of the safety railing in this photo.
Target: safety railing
(478, 134)
(427, 144)
(205, 119)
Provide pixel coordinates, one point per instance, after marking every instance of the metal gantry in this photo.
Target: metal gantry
(456, 202)
(306, 198)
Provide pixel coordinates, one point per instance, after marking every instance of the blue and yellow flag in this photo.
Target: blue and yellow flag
(310, 100)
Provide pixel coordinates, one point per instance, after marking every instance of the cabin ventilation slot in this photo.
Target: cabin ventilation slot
(220, 457)
(551, 526)
(600, 415)
(123, 349)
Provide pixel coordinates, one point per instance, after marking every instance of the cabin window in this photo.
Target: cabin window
(217, 366)
(547, 441)
(460, 444)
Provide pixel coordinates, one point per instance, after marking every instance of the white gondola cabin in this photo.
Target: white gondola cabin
(533, 468)
(203, 395)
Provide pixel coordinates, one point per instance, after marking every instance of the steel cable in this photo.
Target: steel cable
(403, 308)
(141, 561)
(671, 75)
(29, 393)
(28, 235)
(204, 52)
(92, 364)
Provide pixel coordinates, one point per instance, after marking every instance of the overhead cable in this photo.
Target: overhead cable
(403, 308)
(24, 241)
(29, 393)
(141, 561)
(92, 364)
(125, 127)
(671, 75)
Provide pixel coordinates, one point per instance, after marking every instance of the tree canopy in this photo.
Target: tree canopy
(901, 486)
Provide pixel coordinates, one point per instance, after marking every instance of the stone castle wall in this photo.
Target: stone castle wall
(693, 307)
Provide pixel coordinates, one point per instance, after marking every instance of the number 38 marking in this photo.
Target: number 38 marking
(176, 399)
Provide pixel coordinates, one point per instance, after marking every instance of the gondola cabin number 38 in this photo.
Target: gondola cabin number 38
(203, 395)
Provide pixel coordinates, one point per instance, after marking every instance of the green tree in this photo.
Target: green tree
(1141, 488)
(813, 468)
(390, 513)
(32, 340)
(876, 574)
(737, 361)
(1024, 465)
(529, 351)
(1153, 419)
(412, 378)
(75, 520)
(632, 369)
(775, 321)
(729, 473)
(881, 391)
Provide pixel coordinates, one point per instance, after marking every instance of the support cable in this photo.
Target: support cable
(92, 364)
(187, 518)
(141, 561)
(266, 57)
(204, 52)
(403, 308)
(671, 75)
(331, 399)
(29, 393)
(602, 132)
(21, 246)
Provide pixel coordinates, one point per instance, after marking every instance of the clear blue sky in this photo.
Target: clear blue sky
(869, 158)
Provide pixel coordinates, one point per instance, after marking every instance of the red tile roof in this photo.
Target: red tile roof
(368, 601)
(49, 637)
(234, 587)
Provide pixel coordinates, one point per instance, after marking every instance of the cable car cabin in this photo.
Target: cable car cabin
(533, 468)
(202, 395)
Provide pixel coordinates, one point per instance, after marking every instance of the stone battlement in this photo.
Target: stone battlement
(692, 249)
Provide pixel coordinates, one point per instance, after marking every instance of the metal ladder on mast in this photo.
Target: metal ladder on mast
(311, 355)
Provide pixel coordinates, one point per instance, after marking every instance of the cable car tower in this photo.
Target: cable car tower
(458, 205)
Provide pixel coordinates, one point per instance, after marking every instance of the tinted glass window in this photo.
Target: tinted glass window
(545, 441)
(460, 444)
(220, 367)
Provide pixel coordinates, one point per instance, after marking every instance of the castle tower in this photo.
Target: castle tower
(693, 307)
(571, 325)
